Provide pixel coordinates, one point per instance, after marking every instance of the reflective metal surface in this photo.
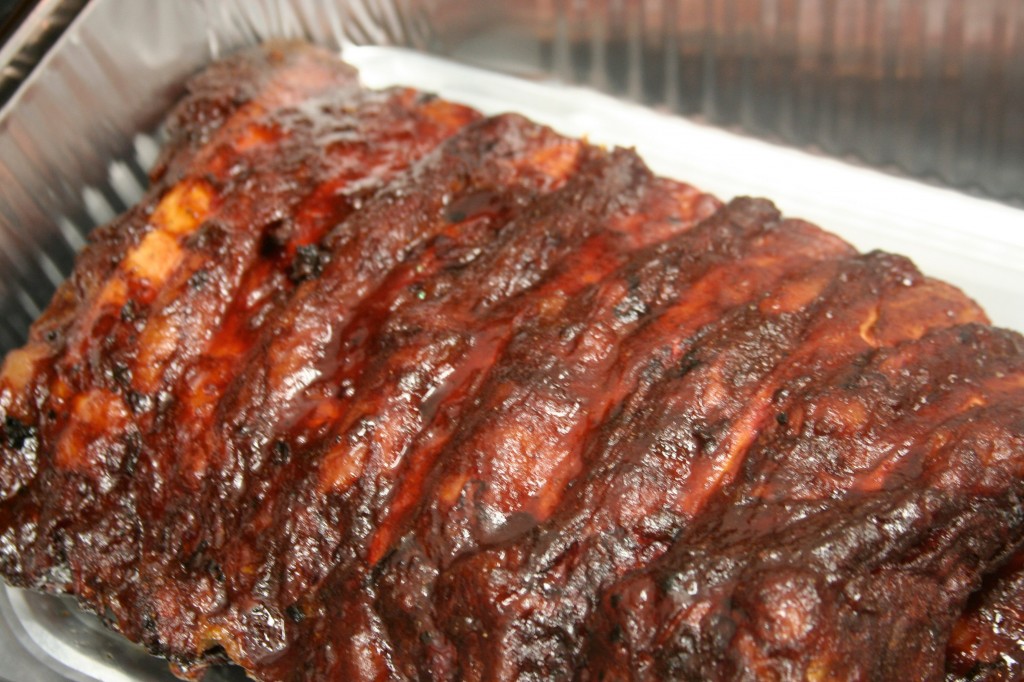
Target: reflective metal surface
(26, 34)
(934, 88)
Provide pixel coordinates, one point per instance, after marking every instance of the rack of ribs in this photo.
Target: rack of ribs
(369, 386)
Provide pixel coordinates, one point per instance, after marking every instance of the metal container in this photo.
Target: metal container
(933, 89)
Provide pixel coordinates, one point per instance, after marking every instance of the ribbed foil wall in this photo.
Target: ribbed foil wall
(934, 88)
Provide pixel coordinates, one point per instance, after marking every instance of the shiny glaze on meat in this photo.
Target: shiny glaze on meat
(371, 387)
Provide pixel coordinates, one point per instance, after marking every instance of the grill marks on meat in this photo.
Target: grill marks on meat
(369, 387)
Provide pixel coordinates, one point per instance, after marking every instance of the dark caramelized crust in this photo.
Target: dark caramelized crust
(370, 387)
(987, 643)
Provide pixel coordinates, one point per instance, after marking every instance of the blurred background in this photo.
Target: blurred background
(929, 88)
(6, 9)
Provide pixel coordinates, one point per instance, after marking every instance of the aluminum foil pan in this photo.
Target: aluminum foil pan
(82, 126)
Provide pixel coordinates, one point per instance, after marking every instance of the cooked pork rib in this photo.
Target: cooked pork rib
(987, 643)
(371, 387)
